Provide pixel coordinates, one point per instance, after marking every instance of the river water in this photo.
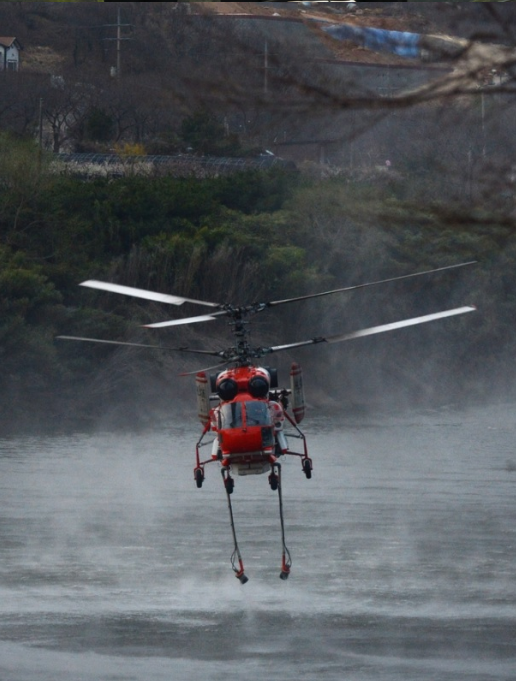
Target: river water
(114, 566)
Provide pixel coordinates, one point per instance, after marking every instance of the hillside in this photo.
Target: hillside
(52, 33)
(267, 71)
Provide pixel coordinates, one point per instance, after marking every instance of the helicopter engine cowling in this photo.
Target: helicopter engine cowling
(256, 381)
(259, 387)
(227, 389)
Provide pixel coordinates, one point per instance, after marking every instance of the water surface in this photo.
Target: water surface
(114, 566)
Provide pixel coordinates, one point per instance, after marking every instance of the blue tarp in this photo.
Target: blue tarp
(378, 39)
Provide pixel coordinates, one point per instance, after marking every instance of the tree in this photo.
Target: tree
(23, 176)
(204, 134)
(65, 108)
(98, 125)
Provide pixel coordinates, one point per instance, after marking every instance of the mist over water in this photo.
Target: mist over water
(114, 566)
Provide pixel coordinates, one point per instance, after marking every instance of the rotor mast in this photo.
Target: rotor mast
(242, 352)
(240, 329)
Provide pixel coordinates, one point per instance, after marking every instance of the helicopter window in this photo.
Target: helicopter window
(257, 414)
(231, 415)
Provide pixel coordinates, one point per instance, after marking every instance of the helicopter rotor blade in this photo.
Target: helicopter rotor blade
(143, 293)
(186, 320)
(214, 366)
(376, 329)
(230, 311)
(371, 283)
(139, 345)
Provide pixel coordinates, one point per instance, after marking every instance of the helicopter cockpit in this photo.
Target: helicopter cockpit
(245, 427)
(244, 414)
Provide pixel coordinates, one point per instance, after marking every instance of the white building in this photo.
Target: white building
(9, 54)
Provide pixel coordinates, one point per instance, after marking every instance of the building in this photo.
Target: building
(9, 54)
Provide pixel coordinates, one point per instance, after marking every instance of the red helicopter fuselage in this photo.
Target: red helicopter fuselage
(249, 419)
(243, 421)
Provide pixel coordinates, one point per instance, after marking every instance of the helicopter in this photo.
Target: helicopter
(250, 424)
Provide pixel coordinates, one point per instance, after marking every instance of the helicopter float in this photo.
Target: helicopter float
(248, 422)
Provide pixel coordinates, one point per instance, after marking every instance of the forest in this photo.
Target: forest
(446, 197)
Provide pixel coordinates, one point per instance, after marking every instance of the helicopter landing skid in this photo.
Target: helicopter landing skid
(236, 557)
(286, 560)
(275, 484)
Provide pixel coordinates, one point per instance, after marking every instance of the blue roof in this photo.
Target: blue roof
(402, 43)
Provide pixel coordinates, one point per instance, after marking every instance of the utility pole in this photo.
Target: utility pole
(115, 70)
(118, 40)
(483, 116)
(119, 25)
(40, 134)
(266, 68)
